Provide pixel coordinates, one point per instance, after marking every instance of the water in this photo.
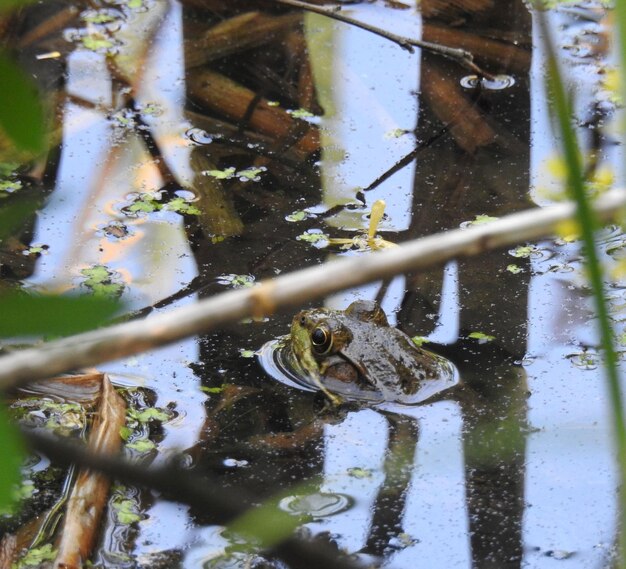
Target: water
(521, 475)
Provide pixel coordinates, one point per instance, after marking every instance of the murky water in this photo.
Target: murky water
(189, 166)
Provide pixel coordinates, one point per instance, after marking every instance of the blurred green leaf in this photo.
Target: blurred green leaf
(21, 113)
(266, 525)
(24, 314)
(6, 5)
(13, 217)
(11, 453)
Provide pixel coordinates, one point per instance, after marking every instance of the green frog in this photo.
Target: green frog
(355, 354)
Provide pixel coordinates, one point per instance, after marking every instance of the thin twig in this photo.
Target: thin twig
(185, 487)
(461, 56)
(287, 291)
(406, 160)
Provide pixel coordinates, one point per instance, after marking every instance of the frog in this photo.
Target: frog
(355, 354)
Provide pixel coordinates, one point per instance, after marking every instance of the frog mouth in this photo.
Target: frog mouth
(362, 378)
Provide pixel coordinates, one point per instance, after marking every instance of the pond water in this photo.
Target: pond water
(191, 161)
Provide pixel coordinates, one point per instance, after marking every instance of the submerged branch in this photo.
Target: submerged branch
(461, 56)
(185, 487)
(288, 291)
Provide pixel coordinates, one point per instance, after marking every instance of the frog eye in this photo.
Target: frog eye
(322, 340)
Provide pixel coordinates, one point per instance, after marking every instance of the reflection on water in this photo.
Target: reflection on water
(515, 469)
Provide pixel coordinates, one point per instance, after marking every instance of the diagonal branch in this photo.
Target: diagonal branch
(185, 487)
(288, 291)
(461, 56)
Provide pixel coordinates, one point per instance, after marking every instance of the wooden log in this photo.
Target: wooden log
(449, 10)
(297, 52)
(493, 53)
(240, 33)
(230, 99)
(91, 489)
(218, 216)
(444, 96)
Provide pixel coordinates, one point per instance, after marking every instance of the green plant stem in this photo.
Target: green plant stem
(620, 34)
(588, 224)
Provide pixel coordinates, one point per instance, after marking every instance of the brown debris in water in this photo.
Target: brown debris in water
(223, 95)
(91, 490)
(237, 34)
(448, 102)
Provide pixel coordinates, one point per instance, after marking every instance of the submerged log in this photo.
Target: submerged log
(89, 495)
(240, 33)
(8, 551)
(498, 54)
(218, 214)
(297, 52)
(448, 103)
(452, 9)
(234, 101)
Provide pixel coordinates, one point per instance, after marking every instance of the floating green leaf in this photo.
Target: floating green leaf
(250, 174)
(10, 186)
(212, 389)
(126, 511)
(152, 109)
(143, 203)
(584, 360)
(523, 251)
(97, 42)
(149, 414)
(226, 174)
(515, 269)
(102, 281)
(25, 314)
(247, 353)
(182, 206)
(312, 237)
(21, 113)
(37, 249)
(297, 216)
(125, 432)
(482, 219)
(36, 557)
(236, 281)
(98, 17)
(301, 114)
(124, 118)
(396, 133)
(141, 445)
(481, 337)
(360, 473)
